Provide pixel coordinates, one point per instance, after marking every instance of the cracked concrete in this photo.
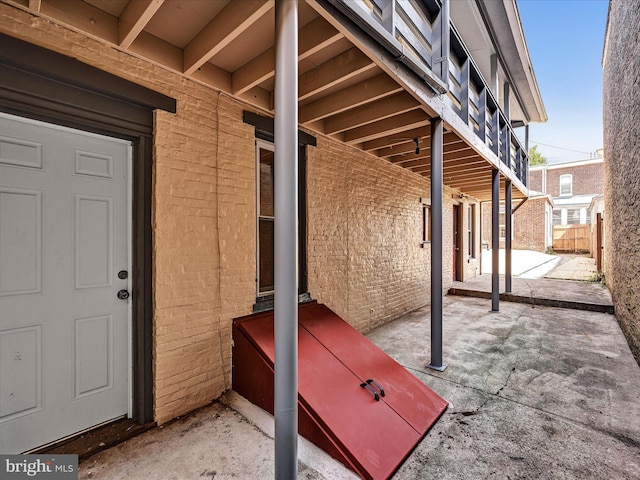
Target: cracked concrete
(535, 393)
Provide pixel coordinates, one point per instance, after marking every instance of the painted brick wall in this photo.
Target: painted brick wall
(191, 350)
(365, 227)
(365, 224)
(622, 166)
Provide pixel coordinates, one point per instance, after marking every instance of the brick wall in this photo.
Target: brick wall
(622, 169)
(364, 224)
(529, 225)
(535, 179)
(586, 179)
(191, 339)
(364, 231)
(486, 226)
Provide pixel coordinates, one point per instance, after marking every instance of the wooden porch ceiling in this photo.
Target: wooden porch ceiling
(229, 45)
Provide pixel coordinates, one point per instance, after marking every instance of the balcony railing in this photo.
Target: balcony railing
(469, 95)
(419, 33)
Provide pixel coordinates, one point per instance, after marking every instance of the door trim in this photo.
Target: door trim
(458, 265)
(50, 87)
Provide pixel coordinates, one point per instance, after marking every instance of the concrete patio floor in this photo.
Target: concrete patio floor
(535, 392)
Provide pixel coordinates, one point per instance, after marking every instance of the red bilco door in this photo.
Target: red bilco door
(355, 401)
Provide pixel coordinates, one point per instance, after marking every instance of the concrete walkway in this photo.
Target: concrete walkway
(546, 280)
(548, 292)
(574, 267)
(535, 392)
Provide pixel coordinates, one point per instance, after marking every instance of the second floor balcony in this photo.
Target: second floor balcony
(422, 35)
(372, 73)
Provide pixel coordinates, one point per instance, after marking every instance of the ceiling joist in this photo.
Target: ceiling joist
(134, 18)
(333, 72)
(234, 19)
(314, 36)
(230, 46)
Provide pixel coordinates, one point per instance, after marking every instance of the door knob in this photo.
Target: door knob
(123, 294)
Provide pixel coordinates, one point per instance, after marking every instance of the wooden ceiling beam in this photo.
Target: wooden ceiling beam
(397, 139)
(464, 164)
(449, 170)
(371, 112)
(410, 146)
(446, 149)
(234, 19)
(333, 72)
(134, 18)
(478, 180)
(85, 17)
(389, 126)
(314, 36)
(370, 90)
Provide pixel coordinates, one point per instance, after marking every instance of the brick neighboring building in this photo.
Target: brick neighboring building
(572, 185)
(531, 224)
(621, 104)
(560, 194)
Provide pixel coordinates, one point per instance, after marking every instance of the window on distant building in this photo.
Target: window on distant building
(471, 223)
(502, 224)
(557, 216)
(566, 187)
(573, 216)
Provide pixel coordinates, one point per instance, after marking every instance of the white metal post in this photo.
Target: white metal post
(286, 241)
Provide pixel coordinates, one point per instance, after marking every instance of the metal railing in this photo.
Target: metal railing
(420, 34)
(471, 98)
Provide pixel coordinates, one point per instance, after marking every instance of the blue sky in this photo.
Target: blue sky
(565, 40)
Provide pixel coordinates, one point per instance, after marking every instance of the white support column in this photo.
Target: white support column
(286, 241)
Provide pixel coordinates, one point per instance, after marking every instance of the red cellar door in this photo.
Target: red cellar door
(373, 437)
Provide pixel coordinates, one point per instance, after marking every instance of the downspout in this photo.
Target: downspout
(286, 240)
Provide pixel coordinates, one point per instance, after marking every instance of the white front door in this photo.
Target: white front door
(64, 239)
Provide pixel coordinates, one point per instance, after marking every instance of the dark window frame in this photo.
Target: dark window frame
(264, 128)
(426, 222)
(471, 224)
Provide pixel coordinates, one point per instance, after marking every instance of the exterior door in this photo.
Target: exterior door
(456, 247)
(64, 242)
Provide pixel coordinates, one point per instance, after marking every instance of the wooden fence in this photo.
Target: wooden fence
(572, 238)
